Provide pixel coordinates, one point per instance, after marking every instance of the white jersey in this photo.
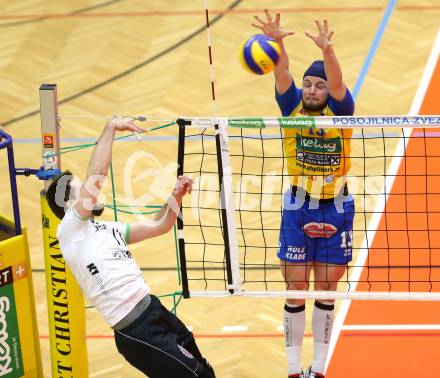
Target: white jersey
(97, 255)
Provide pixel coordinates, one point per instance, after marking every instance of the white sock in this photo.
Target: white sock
(322, 322)
(294, 326)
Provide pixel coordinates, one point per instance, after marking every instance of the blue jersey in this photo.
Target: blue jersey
(317, 162)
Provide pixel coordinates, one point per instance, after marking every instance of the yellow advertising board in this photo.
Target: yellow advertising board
(19, 342)
(65, 301)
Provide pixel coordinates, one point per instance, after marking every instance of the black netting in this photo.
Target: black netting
(396, 246)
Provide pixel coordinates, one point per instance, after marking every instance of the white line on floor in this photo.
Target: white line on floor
(390, 327)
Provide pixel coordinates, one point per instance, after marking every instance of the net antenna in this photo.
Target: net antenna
(230, 247)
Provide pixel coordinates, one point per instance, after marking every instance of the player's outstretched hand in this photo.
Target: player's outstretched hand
(271, 27)
(124, 124)
(183, 185)
(324, 38)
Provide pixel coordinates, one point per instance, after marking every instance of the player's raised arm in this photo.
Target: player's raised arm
(323, 40)
(165, 218)
(99, 164)
(272, 28)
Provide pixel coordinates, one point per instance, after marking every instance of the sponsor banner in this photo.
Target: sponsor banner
(297, 122)
(67, 330)
(20, 345)
(251, 123)
(387, 121)
(11, 361)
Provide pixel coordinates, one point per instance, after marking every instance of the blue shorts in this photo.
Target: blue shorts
(322, 234)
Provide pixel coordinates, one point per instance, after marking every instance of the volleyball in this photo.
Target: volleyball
(259, 54)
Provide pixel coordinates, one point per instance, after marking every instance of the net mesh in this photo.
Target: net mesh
(394, 180)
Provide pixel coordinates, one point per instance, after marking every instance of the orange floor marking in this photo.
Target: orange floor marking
(401, 240)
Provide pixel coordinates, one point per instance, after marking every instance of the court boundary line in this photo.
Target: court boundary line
(390, 327)
(374, 46)
(377, 216)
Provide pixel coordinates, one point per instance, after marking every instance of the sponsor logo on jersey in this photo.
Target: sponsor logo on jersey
(92, 269)
(99, 226)
(317, 159)
(122, 255)
(296, 253)
(97, 277)
(295, 256)
(323, 145)
(319, 230)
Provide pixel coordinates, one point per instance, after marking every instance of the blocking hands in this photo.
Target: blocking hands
(271, 27)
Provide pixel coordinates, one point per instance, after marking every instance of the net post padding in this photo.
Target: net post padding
(227, 206)
(68, 331)
(181, 241)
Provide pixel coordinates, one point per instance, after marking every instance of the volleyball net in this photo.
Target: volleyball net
(230, 226)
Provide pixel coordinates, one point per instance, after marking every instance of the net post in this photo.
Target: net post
(50, 136)
(227, 205)
(181, 240)
(65, 301)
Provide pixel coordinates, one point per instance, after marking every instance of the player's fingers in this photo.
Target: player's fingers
(268, 15)
(311, 36)
(325, 27)
(133, 127)
(330, 36)
(286, 33)
(187, 182)
(318, 24)
(260, 20)
(257, 26)
(277, 18)
(183, 177)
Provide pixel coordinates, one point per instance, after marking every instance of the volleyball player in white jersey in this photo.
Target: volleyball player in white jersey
(149, 336)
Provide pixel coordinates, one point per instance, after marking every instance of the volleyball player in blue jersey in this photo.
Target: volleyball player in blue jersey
(317, 220)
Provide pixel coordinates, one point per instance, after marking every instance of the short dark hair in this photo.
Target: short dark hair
(58, 195)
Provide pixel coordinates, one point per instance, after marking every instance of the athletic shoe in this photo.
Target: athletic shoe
(300, 375)
(311, 374)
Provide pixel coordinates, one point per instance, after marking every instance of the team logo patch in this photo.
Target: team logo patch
(185, 352)
(319, 230)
